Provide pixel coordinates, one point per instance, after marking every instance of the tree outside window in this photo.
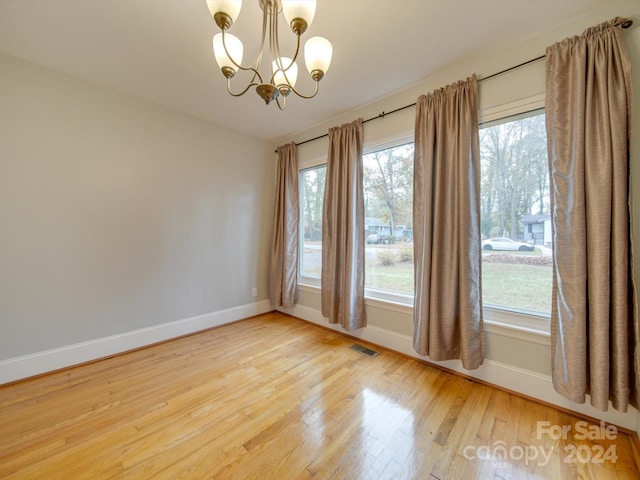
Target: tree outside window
(388, 198)
(311, 201)
(515, 215)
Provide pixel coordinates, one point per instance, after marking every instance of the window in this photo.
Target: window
(515, 221)
(515, 216)
(388, 202)
(311, 185)
(388, 205)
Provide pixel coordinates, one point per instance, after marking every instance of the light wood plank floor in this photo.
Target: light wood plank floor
(273, 397)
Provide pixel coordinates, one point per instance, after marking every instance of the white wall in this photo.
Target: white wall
(118, 215)
(516, 359)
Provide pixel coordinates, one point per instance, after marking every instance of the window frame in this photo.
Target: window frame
(303, 279)
(524, 320)
(385, 298)
(395, 298)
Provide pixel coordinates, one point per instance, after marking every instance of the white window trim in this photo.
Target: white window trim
(309, 284)
(524, 105)
(517, 320)
(389, 142)
(502, 322)
(316, 162)
(312, 285)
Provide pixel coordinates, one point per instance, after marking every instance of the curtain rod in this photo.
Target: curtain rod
(625, 23)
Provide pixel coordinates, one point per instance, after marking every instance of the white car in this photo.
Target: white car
(506, 244)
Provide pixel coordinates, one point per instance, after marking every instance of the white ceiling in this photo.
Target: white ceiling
(160, 50)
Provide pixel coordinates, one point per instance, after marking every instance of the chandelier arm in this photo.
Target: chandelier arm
(262, 40)
(306, 96)
(275, 52)
(295, 55)
(224, 45)
(284, 102)
(293, 60)
(256, 73)
(276, 40)
(251, 84)
(274, 47)
(254, 69)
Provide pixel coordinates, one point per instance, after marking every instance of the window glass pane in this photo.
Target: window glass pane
(516, 224)
(388, 202)
(311, 200)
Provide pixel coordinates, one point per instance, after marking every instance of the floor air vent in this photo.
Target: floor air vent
(364, 350)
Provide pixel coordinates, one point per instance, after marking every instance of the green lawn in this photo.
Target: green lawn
(397, 278)
(525, 287)
(511, 285)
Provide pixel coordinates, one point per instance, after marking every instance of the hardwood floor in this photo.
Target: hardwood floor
(273, 397)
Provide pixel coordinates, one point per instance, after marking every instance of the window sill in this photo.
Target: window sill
(515, 324)
(388, 301)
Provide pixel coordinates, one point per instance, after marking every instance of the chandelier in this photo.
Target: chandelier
(280, 80)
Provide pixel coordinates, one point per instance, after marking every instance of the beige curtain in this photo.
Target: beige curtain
(283, 267)
(446, 224)
(594, 329)
(343, 229)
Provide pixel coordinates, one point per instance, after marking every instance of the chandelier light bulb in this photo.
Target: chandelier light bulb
(234, 47)
(291, 71)
(317, 56)
(299, 9)
(230, 8)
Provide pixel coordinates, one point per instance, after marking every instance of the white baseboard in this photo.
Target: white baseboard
(529, 383)
(27, 366)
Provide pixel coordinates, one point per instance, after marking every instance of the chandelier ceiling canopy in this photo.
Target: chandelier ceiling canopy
(282, 71)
